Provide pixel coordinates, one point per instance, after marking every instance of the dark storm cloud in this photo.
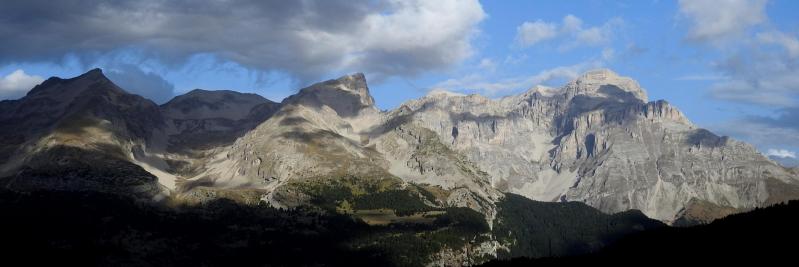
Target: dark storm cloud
(302, 38)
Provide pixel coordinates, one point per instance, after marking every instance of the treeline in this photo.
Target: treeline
(91, 229)
(366, 194)
(762, 235)
(414, 244)
(403, 202)
(545, 229)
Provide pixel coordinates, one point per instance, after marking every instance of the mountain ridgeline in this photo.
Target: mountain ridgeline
(451, 179)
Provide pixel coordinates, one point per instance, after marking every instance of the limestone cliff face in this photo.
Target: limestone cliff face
(598, 141)
(307, 137)
(595, 140)
(333, 130)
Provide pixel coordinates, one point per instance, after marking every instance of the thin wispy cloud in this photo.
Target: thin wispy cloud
(789, 42)
(571, 32)
(478, 83)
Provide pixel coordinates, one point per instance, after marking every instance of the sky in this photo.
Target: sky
(732, 66)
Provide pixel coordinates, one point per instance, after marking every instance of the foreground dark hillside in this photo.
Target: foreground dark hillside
(767, 234)
(95, 229)
(102, 229)
(551, 229)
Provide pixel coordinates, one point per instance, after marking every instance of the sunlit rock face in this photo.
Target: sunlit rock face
(597, 140)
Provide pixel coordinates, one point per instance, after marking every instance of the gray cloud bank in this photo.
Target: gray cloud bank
(146, 84)
(304, 39)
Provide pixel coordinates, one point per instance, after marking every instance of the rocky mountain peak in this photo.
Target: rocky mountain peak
(348, 95)
(594, 140)
(202, 104)
(93, 82)
(605, 82)
(85, 111)
(356, 84)
(93, 74)
(218, 94)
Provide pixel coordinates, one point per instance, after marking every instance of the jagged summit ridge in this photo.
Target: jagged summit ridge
(348, 96)
(595, 140)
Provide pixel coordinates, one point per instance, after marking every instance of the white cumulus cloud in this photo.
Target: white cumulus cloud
(781, 153)
(530, 33)
(17, 83)
(570, 31)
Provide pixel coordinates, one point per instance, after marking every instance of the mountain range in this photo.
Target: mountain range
(597, 140)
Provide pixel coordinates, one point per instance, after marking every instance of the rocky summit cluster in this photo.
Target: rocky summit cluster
(597, 140)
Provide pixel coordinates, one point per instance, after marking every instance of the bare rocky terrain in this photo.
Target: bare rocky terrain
(597, 140)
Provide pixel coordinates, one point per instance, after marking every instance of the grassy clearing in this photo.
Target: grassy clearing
(387, 216)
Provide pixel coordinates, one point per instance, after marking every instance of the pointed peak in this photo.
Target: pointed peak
(95, 74)
(353, 76)
(347, 95)
(94, 71)
(353, 83)
(78, 83)
(349, 82)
